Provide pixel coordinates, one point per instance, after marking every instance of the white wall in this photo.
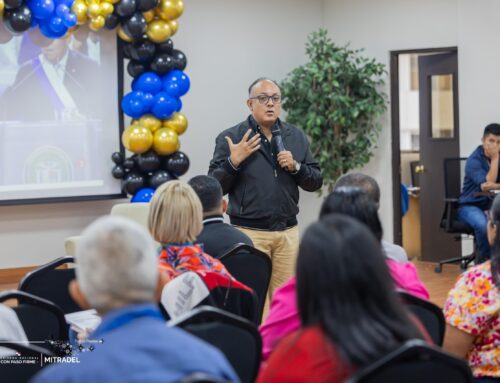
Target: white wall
(380, 27)
(228, 44)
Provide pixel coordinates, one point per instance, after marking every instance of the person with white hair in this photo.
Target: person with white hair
(117, 274)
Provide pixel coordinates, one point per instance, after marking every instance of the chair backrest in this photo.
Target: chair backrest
(415, 177)
(137, 212)
(238, 339)
(415, 362)
(42, 320)
(251, 267)
(51, 283)
(454, 170)
(429, 315)
(21, 372)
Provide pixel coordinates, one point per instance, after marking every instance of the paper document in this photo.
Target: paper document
(83, 320)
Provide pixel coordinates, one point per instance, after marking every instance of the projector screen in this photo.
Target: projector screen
(59, 117)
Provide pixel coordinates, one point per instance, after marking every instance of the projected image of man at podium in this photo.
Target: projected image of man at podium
(55, 85)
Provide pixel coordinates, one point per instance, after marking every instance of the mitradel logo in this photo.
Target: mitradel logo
(60, 359)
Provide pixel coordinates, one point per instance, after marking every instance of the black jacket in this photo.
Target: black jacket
(261, 194)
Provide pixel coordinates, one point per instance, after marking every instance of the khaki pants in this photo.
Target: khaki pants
(282, 247)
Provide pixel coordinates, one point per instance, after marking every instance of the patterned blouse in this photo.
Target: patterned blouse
(473, 306)
(177, 259)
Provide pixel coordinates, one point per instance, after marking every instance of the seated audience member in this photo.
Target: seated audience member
(346, 322)
(283, 315)
(472, 310)
(117, 274)
(216, 237)
(175, 220)
(481, 175)
(11, 329)
(371, 188)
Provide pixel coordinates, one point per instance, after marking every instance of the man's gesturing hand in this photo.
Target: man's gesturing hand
(243, 149)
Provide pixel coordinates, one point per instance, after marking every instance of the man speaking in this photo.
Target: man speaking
(260, 163)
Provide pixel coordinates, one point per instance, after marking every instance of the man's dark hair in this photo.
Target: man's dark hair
(208, 190)
(362, 181)
(492, 129)
(259, 80)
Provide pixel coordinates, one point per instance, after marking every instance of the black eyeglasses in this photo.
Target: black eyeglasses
(263, 99)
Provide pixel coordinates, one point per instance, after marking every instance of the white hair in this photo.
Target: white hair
(116, 264)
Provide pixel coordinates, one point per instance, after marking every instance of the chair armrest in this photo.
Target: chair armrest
(70, 245)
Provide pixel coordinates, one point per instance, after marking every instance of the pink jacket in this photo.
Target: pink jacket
(284, 318)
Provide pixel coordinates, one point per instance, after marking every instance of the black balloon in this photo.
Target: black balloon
(117, 158)
(125, 8)
(126, 50)
(165, 47)
(162, 63)
(143, 51)
(160, 177)
(129, 163)
(136, 68)
(180, 60)
(148, 162)
(135, 26)
(18, 20)
(12, 4)
(118, 172)
(146, 5)
(177, 164)
(132, 182)
(111, 21)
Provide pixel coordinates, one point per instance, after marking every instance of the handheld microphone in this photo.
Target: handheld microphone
(280, 147)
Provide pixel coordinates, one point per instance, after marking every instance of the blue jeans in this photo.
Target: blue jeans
(475, 218)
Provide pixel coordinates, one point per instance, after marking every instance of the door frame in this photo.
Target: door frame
(397, 219)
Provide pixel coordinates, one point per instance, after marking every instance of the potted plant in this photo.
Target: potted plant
(336, 98)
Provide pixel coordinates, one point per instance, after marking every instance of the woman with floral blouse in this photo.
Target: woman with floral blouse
(472, 310)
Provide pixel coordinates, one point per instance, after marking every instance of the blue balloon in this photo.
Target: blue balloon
(133, 105)
(68, 3)
(164, 106)
(70, 20)
(143, 195)
(172, 89)
(62, 10)
(148, 82)
(179, 105)
(45, 28)
(56, 25)
(41, 9)
(177, 77)
(148, 100)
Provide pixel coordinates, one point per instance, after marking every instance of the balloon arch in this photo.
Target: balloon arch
(154, 104)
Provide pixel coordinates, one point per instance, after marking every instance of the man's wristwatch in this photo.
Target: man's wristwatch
(296, 167)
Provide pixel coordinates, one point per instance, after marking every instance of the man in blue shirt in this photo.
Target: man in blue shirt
(117, 274)
(481, 175)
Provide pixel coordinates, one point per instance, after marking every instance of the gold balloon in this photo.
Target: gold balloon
(106, 9)
(137, 139)
(2, 6)
(158, 31)
(165, 142)
(150, 122)
(79, 8)
(93, 10)
(97, 23)
(170, 9)
(123, 35)
(149, 15)
(174, 26)
(134, 121)
(178, 123)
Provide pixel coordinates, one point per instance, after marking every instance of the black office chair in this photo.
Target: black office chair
(238, 339)
(251, 267)
(31, 360)
(415, 177)
(51, 283)
(449, 222)
(430, 315)
(42, 321)
(415, 362)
